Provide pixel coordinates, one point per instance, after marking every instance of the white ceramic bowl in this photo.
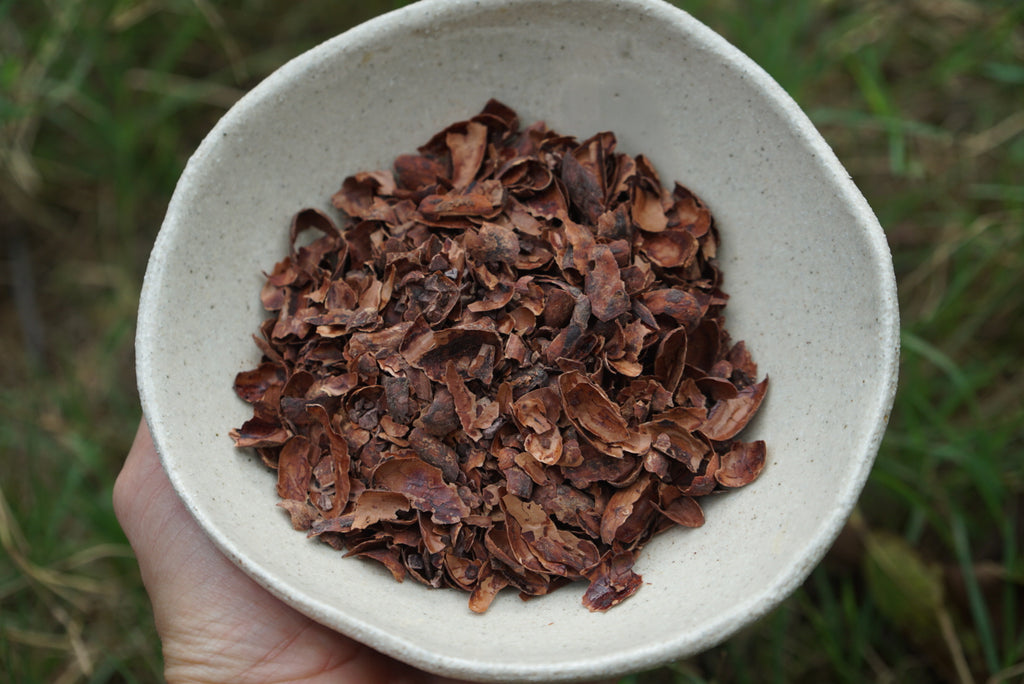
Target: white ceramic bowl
(805, 262)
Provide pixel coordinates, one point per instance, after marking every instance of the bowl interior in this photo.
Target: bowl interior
(804, 260)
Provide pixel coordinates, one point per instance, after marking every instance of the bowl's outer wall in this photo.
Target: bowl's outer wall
(805, 262)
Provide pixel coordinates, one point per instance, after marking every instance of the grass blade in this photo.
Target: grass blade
(979, 611)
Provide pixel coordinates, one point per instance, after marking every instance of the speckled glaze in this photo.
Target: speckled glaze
(805, 262)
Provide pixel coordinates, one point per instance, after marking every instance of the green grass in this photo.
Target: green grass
(101, 103)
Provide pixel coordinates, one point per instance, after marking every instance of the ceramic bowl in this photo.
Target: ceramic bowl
(804, 259)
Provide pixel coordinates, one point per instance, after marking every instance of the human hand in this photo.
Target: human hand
(216, 624)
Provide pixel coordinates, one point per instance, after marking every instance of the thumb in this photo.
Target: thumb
(174, 555)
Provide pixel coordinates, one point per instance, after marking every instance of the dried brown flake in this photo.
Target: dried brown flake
(612, 581)
(424, 486)
(728, 416)
(502, 363)
(588, 407)
(604, 286)
(741, 464)
(681, 509)
(373, 506)
(294, 469)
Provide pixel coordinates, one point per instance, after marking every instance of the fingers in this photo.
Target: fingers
(142, 493)
(217, 624)
(160, 530)
(134, 473)
(173, 553)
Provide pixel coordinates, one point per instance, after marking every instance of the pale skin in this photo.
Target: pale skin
(216, 624)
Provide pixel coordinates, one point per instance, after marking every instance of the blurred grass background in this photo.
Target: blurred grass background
(101, 103)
